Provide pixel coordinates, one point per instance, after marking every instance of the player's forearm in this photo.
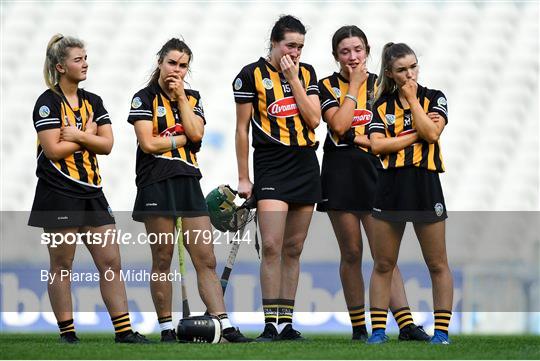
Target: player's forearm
(60, 150)
(310, 111)
(96, 144)
(160, 145)
(242, 154)
(193, 125)
(426, 128)
(382, 145)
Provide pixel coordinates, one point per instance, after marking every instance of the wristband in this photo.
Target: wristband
(353, 98)
(173, 142)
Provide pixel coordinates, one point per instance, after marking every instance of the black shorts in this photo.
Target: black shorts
(409, 194)
(349, 180)
(289, 174)
(54, 210)
(179, 196)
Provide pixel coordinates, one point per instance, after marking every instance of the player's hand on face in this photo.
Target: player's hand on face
(245, 189)
(91, 126)
(176, 85)
(409, 89)
(70, 133)
(358, 74)
(289, 68)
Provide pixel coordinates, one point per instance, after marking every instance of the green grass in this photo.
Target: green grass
(102, 346)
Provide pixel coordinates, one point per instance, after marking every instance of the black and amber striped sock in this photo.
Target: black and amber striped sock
(285, 313)
(165, 323)
(378, 318)
(270, 308)
(442, 320)
(66, 327)
(122, 324)
(358, 319)
(403, 317)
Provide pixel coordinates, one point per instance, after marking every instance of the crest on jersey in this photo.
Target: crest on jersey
(267, 84)
(439, 209)
(161, 111)
(390, 119)
(238, 84)
(337, 92)
(136, 103)
(44, 111)
(441, 102)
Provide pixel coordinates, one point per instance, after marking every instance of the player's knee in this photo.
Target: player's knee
(205, 262)
(162, 262)
(384, 265)
(293, 250)
(61, 264)
(109, 263)
(352, 256)
(270, 249)
(438, 266)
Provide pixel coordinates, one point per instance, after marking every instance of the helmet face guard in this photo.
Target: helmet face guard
(225, 215)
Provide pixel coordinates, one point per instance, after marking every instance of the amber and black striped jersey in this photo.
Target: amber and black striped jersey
(333, 91)
(152, 104)
(393, 120)
(275, 116)
(77, 175)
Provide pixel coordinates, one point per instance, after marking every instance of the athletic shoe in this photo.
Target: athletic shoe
(360, 336)
(289, 334)
(69, 337)
(440, 338)
(131, 337)
(232, 334)
(269, 334)
(412, 332)
(377, 337)
(168, 336)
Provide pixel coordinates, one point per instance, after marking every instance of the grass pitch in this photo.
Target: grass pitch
(102, 346)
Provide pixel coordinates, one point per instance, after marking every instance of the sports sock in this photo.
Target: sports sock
(442, 320)
(378, 318)
(358, 318)
(270, 308)
(66, 327)
(122, 324)
(403, 317)
(224, 319)
(165, 323)
(285, 313)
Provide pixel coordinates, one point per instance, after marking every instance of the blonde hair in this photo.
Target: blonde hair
(57, 51)
(390, 52)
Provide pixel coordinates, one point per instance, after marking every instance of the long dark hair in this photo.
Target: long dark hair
(172, 44)
(390, 52)
(348, 31)
(286, 24)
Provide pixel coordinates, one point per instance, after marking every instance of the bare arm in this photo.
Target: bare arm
(427, 129)
(152, 144)
(54, 148)
(243, 115)
(382, 145)
(308, 105)
(193, 124)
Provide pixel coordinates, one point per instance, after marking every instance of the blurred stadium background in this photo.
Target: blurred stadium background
(483, 55)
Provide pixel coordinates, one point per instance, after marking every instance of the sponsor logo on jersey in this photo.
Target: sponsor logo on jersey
(238, 84)
(176, 129)
(44, 111)
(390, 119)
(439, 209)
(285, 107)
(136, 103)
(267, 84)
(361, 117)
(161, 111)
(337, 92)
